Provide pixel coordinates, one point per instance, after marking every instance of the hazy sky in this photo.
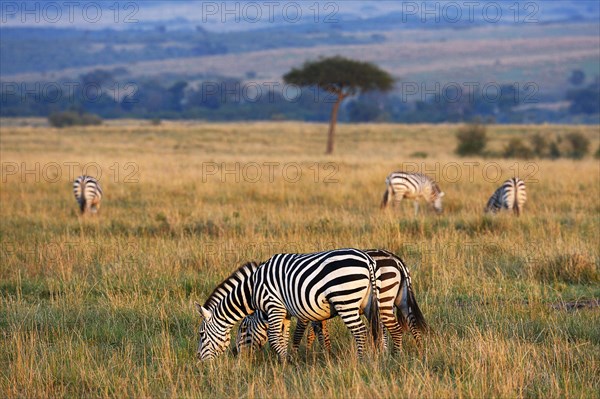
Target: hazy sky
(240, 15)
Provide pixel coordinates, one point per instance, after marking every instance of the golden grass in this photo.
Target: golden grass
(102, 306)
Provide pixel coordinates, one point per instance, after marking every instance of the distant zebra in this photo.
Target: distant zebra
(396, 291)
(510, 195)
(88, 193)
(310, 287)
(413, 186)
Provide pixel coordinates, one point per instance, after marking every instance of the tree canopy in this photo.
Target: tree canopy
(338, 74)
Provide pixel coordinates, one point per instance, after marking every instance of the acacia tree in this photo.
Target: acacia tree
(341, 77)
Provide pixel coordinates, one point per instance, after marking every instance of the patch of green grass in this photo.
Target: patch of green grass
(103, 306)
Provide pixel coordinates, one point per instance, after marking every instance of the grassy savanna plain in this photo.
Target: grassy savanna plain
(103, 306)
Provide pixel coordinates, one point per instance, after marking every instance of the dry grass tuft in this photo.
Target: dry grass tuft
(569, 268)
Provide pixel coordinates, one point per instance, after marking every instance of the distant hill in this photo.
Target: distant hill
(533, 44)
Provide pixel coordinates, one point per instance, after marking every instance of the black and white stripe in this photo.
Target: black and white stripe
(395, 292)
(413, 186)
(228, 303)
(512, 195)
(310, 287)
(88, 193)
(398, 289)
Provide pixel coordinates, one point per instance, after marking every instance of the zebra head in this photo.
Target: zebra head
(437, 201)
(214, 339)
(252, 332)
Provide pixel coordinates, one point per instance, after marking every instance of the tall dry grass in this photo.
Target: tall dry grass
(102, 307)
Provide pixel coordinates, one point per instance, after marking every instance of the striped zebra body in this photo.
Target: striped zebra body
(395, 292)
(399, 290)
(88, 193)
(415, 186)
(511, 195)
(310, 287)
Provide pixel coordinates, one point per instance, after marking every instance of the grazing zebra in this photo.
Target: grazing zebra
(510, 195)
(396, 291)
(88, 193)
(413, 186)
(310, 287)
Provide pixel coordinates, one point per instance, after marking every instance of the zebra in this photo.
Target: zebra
(310, 287)
(88, 193)
(396, 291)
(413, 186)
(510, 195)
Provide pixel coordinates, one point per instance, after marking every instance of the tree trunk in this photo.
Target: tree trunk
(332, 123)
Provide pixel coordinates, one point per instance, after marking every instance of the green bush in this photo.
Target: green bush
(579, 145)
(72, 118)
(539, 145)
(554, 151)
(419, 154)
(516, 148)
(86, 119)
(472, 139)
(597, 154)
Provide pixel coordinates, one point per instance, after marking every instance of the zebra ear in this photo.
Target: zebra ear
(205, 313)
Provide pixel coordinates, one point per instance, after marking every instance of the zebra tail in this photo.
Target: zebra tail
(385, 198)
(374, 315)
(82, 204)
(516, 208)
(418, 315)
(409, 312)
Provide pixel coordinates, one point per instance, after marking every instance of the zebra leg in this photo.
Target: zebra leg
(298, 334)
(416, 208)
(415, 331)
(320, 330)
(323, 335)
(285, 329)
(351, 319)
(517, 210)
(409, 314)
(391, 324)
(386, 340)
(310, 335)
(277, 339)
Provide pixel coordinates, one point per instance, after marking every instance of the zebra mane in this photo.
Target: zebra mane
(235, 278)
(399, 262)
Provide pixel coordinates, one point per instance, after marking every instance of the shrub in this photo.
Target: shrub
(86, 119)
(471, 139)
(579, 145)
(72, 118)
(554, 152)
(597, 154)
(516, 148)
(155, 121)
(62, 119)
(419, 154)
(539, 145)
